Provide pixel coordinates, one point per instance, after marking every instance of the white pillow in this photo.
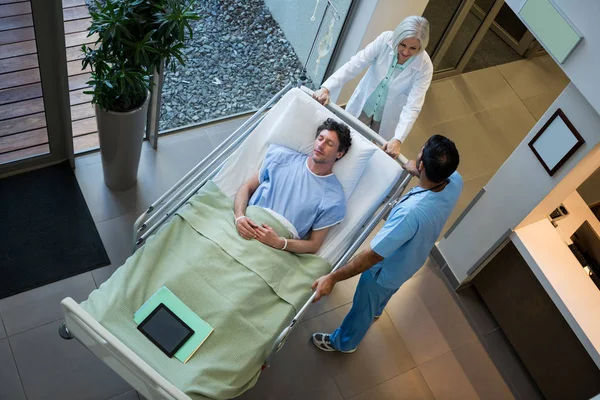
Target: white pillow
(293, 123)
(350, 168)
(297, 126)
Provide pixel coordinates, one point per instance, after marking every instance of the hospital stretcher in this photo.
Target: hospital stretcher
(378, 188)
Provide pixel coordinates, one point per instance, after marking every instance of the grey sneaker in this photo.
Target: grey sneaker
(323, 342)
(375, 318)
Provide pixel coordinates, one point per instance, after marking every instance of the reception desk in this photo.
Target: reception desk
(545, 249)
(547, 305)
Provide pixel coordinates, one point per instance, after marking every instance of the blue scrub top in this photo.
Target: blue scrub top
(290, 188)
(410, 232)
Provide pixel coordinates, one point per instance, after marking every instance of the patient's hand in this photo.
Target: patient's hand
(246, 228)
(267, 235)
(322, 96)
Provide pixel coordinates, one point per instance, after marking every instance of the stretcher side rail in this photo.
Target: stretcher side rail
(147, 223)
(184, 197)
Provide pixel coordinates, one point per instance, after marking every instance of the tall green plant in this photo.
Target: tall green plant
(134, 37)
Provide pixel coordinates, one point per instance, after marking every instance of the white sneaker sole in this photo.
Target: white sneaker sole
(324, 347)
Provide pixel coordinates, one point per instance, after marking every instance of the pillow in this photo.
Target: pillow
(350, 168)
(297, 126)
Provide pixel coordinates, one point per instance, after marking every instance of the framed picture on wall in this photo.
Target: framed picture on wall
(556, 142)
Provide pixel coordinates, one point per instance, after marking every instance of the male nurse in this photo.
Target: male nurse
(401, 246)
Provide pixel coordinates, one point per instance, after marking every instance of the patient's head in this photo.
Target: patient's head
(332, 142)
(438, 158)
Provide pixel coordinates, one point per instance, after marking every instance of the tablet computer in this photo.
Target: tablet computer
(165, 329)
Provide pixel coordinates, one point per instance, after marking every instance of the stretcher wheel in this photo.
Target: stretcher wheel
(63, 331)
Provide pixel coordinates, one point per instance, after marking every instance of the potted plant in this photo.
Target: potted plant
(134, 38)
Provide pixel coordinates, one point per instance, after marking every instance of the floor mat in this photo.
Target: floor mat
(47, 232)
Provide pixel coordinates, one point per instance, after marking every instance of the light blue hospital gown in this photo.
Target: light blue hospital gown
(291, 189)
(405, 242)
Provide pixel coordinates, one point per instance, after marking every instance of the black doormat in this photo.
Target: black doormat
(46, 230)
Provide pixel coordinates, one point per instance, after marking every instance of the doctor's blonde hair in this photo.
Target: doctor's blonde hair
(412, 27)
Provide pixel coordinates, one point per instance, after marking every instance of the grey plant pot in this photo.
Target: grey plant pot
(121, 136)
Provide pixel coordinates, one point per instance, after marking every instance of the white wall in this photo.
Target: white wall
(519, 185)
(583, 64)
(568, 185)
(372, 18)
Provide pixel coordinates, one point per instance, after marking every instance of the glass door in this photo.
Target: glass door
(467, 35)
(34, 128)
(463, 35)
(441, 15)
(508, 27)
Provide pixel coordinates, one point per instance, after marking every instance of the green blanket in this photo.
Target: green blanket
(246, 291)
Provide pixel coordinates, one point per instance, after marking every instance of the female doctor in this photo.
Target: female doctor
(389, 97)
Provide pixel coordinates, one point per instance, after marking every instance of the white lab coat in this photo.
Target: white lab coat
(406, 92)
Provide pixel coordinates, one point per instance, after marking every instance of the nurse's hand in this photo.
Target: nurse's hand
(323, 286)
(411, 168)
(392, 148)
(322, 96)
(246, 228)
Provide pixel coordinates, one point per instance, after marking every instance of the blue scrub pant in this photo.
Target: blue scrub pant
(369, 301)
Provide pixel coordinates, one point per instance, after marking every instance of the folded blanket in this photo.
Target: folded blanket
(246, 291)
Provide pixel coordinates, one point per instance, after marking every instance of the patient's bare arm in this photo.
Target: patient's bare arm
(267, 235)
(244, 225)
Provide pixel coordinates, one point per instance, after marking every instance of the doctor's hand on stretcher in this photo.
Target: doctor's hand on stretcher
(322, 96)
(392, 148)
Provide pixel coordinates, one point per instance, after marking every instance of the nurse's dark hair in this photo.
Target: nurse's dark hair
(342, 130)
(440, 158)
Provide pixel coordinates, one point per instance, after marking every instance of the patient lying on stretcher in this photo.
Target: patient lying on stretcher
(299, 190)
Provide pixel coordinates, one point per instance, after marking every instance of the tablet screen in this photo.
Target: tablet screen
(165, 330)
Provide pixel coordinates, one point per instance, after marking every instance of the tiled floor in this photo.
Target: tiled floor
(430, 343)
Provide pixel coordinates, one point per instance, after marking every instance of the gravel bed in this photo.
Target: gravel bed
(237, 60)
